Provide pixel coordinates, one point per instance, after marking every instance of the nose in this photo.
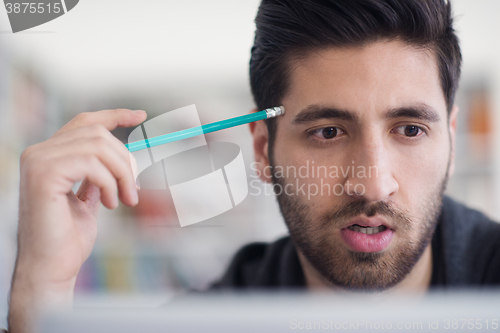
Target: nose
(373, 176)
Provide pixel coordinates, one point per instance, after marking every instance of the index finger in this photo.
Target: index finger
(110, 119)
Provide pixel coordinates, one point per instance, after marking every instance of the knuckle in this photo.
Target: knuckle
(118, 112)
(99, 129)
(31, 156)
(83, 116)
(99, 141)
(26, 154)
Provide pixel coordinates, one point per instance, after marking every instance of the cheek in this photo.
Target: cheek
(420, 172)
(314, 179)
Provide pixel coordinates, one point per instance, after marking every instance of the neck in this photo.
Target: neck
(416, 282)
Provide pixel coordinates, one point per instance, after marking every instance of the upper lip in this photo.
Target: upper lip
(363, 221)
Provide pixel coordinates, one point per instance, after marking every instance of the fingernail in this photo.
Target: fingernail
(135, 196)
(137, 187)
(139, 111)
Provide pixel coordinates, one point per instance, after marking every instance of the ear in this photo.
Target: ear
(260, 145)
(453, 131)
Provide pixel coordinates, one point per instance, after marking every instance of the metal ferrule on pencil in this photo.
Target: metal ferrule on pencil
(274, 112)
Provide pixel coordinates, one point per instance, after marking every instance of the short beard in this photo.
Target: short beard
(356, 270)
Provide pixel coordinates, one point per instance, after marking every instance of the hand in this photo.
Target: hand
(57, 228)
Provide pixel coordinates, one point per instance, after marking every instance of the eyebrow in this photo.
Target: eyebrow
(316, 112)
(421, 111)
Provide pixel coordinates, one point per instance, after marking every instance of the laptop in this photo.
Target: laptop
(449, 311)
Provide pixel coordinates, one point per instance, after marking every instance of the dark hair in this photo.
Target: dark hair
(290, 28)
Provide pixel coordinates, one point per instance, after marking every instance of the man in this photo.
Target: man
(368, 85)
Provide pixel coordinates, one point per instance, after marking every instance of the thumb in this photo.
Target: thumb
(90, 195)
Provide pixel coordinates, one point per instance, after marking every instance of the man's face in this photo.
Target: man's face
(370, 126)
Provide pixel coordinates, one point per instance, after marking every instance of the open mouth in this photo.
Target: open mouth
(367, 230)
(367, 234)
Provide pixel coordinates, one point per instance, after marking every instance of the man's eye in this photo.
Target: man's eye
(409, 130)
(327, 132)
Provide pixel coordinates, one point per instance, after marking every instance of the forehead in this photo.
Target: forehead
(367, 79)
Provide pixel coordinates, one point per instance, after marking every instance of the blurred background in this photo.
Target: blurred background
(161, 55)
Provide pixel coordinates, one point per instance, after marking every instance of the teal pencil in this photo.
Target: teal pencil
(208, 128)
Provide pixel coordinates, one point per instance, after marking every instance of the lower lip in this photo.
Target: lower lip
(361, 242)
